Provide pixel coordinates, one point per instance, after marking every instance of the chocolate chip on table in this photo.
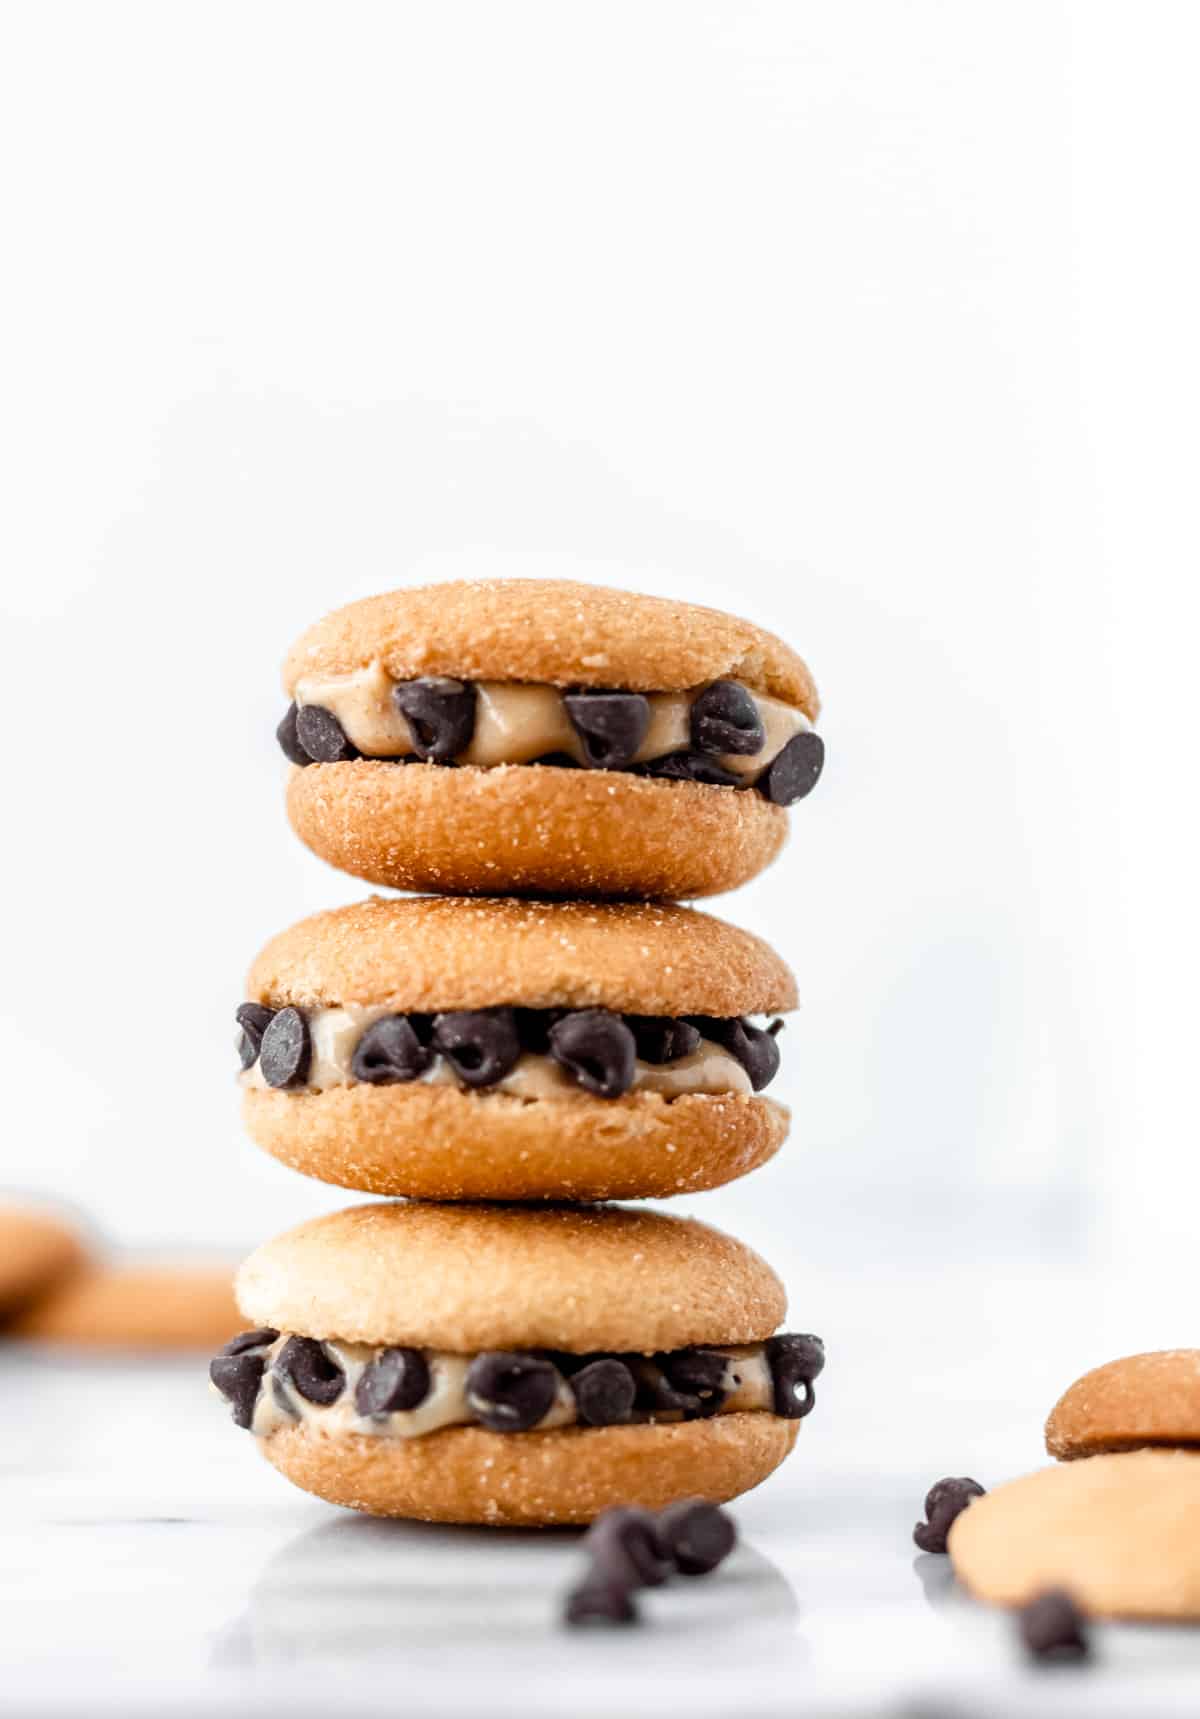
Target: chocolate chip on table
(695, 1535)
(395, 1380)
(509, 1392)
(795, 1359)
(662, 1038)
(795, 771)
(309, 1367)
(481, 1045)
(724, 718)
(598, 1049)
(440, 713)
(622, 1544)
(1053, 1627)
(599, 1600)
(286, 1049)
(692, 767)
(753, 1047)
(698, 1374)
(604, 1391)
(390, 1051)
(945, 1500)
(610, 725)
(262, 1338)
(289, 739)
(322, 735)
(254, 1020)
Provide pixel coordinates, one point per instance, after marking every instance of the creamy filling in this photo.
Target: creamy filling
(515, 724)
(710, 1070)
(746, 1384)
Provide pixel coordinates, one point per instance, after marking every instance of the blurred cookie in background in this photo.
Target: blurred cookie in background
(37, 1249)
(134, 1306)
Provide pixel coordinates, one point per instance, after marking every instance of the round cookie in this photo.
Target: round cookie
(36, 1249)
(1139, 1400)
(515, 1365)
(545, 737)
(613, 1054)
(135, 1307)
(1121, 1533)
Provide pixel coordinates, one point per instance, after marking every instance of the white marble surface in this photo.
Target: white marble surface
(151, 1563)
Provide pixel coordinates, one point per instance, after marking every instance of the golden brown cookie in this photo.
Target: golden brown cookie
(135, 1307)
(543, 737)
(1138, 1400)
(1121, 1533)
(513, 1364)
(613, 1056)
(36, 1249)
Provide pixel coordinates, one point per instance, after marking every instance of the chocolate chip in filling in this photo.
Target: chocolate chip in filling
(440, 713)
(390, 1051)
(237, 1372)
(696, 1379)
(796, 770)
(754, 1047)
(286, 1049)
(610, 725)
(662, 1038)
(795, 1360)
(289, 739)
(692, 767)
(511, 1392)
(598, 1048)
(395, 1381)
(725, 719)
(253, 1020)
(322, 736)
(308, 1366)
(481, 1045)
(604, 1392)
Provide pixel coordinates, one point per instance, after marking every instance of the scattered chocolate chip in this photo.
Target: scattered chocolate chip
(692, 767)
(945, 1500)
(322, 735)
(755, 1049)
(598, 1049)
(389, 1052)
(510, 1393)
(286, 1049)
(397, 1379)
(604, 1391)
(289, 740)
(695, 1535)
(309, 1367)
(623, 1546)
(254, 1020)
(440, 713)
(610, 725)
(244, 1340)
(238, 1378)
(598, 1600)
(795, 771)
(1053, 1627)
(661, 1038)
(481, 1045)
(696, 1374)
(725, 719)
(794, 1359)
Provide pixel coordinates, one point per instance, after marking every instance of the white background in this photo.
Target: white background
(875, 322)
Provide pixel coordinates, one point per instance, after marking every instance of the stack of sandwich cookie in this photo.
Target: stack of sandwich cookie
(538, 1363)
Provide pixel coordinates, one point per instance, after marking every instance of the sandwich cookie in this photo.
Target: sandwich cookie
(36, 1250)
(512, 1050)
(1138, 1400)
(514, 1365)
(541, 737)
(157, 1307)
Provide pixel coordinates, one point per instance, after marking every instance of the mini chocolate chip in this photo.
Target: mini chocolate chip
(311, 1369)
(662, 1038)
(623, 1547)
(695, 1535)
(289, 739)
(395, 1380)
(244, 1340)
(725, 719)
(254, 1020)
(1053, 1627)
(794, 1359)
(598, 1049)
(322, 735)
(657, 1395)
(604, 1391)
(692, 767)
(698, 1374)
(795, 771)
(510, 1393)
(945, 1500)
(755, 1049)
(440, 713)
(533, 1028)
(390, 1051)
(238, 1378)
(481, 1045)
(286, 1049)
(597, 1600)
(610, 725)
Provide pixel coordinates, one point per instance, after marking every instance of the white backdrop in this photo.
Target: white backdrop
(873, 322)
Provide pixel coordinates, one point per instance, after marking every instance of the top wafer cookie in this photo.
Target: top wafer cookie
(545, 737)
